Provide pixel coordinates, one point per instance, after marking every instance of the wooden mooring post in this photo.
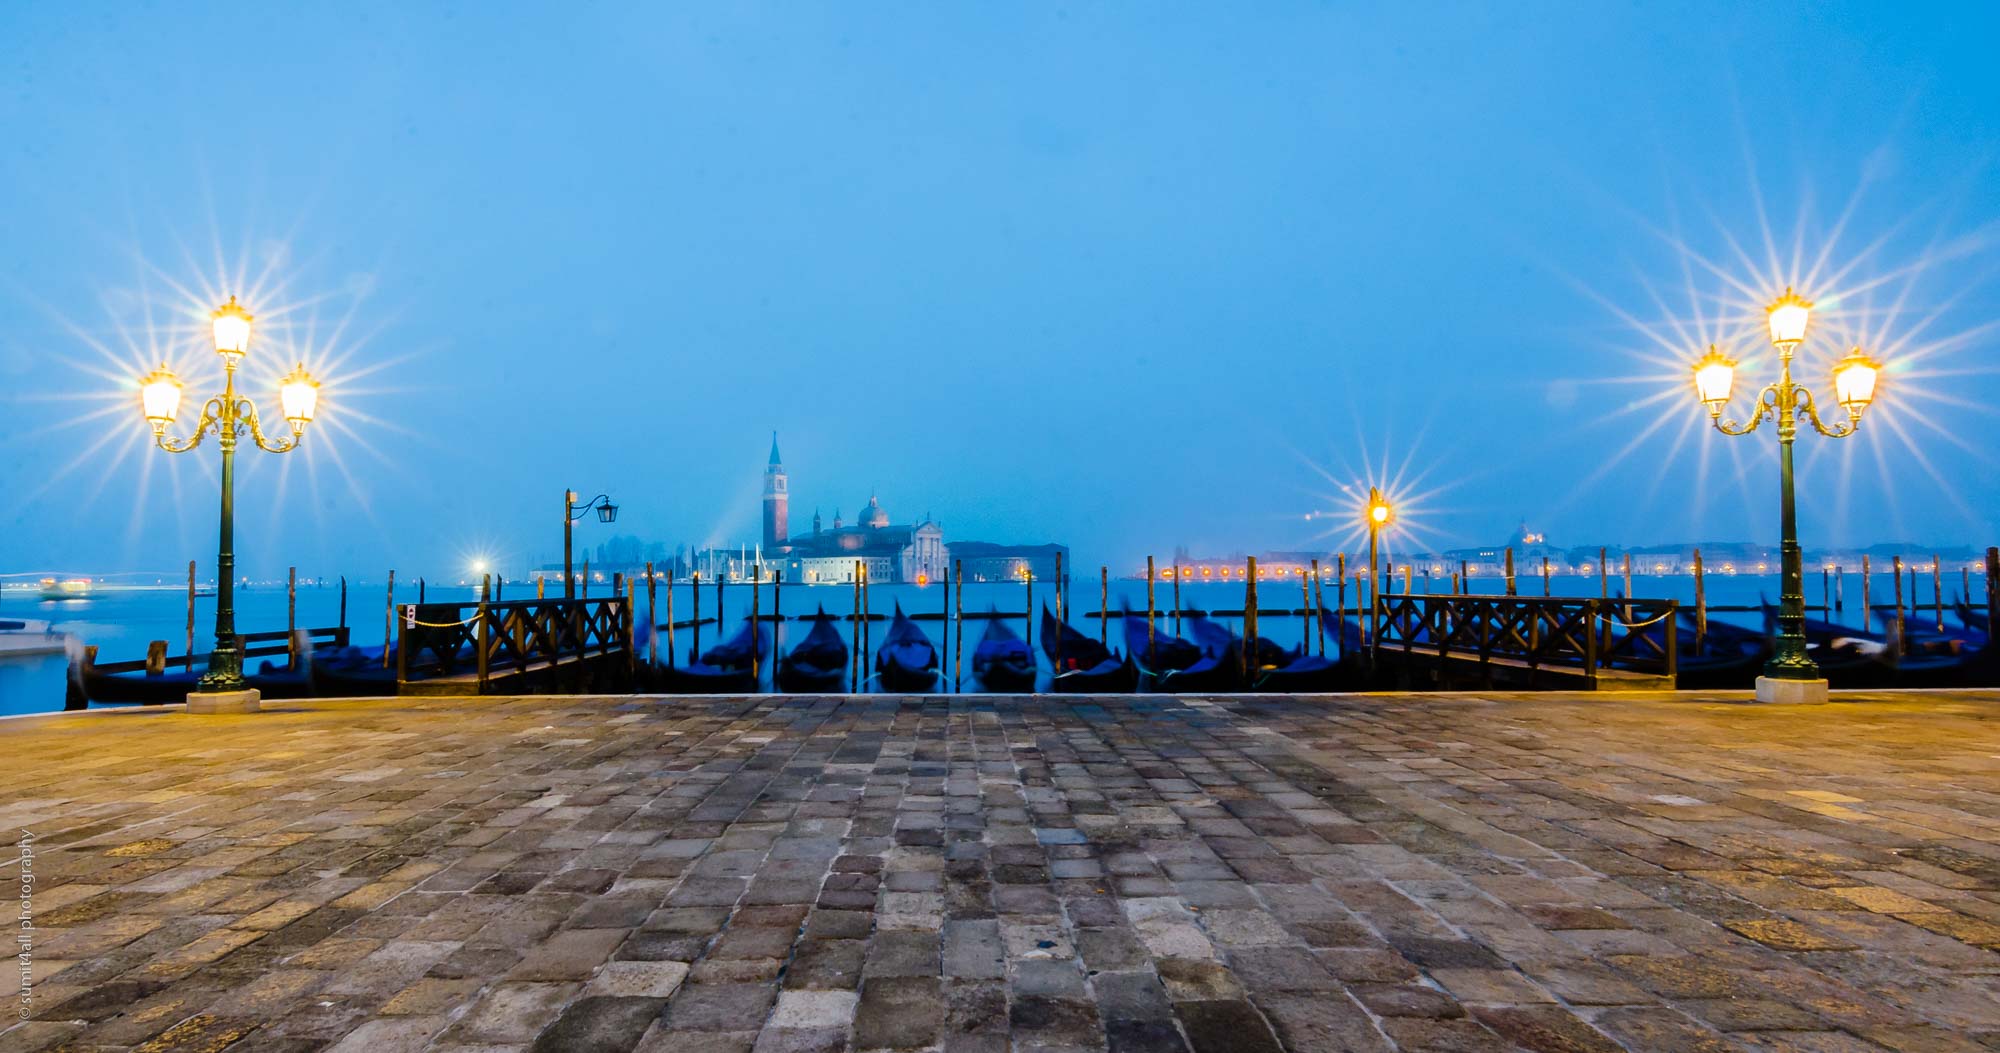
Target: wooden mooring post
(1839, 588)
(1937, 589)
(1865, 572)
(1700, 603)
(1151, 649)
(867, 614)
(756, 625)
(944, 634)
(652, 617)
(1896, 568)
(1177, 597)
(1318, 605)
(1508, 570)
(343, 602)
(1465, 575)
(958, 625)
(694, 589)
(421, 597)
(1628, 585)
(1340, 603)
(854, 645)
(1104, 603)
(1028, 607)
(189, 653)
(1545, 577)
(292, 615)
(1603, 574)
(1250, 621)
(389, 621)
(671, 660)
(1062, 616)
(1305, 613)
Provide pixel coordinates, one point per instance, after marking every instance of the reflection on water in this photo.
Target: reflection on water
(121, 622)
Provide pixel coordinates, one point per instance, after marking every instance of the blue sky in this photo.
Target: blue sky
(1127, 276)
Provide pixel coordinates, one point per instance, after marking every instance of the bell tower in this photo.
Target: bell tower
(776, 524)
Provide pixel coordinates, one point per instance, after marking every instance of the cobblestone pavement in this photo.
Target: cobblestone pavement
(1546, 872)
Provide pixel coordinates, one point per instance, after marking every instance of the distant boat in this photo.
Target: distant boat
(1002, 661)
(818, 663)
(906, 661)
(65, 589)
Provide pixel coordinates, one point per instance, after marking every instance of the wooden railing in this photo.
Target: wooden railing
(486, 640)
(1587, 636)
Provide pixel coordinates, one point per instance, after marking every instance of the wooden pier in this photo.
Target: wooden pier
(1540, 642)
(515, 647)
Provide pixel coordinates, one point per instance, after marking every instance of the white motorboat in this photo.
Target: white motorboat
(22, 639)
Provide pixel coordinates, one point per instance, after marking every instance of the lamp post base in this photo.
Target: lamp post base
(1790, 692)
(245, 701)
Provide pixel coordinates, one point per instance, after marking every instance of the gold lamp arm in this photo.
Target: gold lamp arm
(1842, 430)
(211, 418)
(1766, 408)
(282, 444)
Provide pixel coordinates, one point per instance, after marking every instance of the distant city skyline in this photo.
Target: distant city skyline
(1116, 277)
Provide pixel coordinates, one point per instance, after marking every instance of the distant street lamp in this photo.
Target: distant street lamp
(1378, 514)
(229, 415)
(1791, 675)
(606, 513)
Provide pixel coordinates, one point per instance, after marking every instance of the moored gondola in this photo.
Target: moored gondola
(1172, 664)
(818, 663)
(725, 668)
(1002, 661)
(1083, 665)
(906, 661)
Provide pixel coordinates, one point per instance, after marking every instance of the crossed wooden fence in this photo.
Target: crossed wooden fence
(491, 643)
(1595, 639)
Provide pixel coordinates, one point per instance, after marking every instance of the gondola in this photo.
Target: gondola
(1083, 665)
(354, 672)
(1276, 669)
(1847, 657)
(1974, 619)
(818, 663)
(1069, 650)
(906, 661)
(1728, 656)
(1003, 662)
(290, 680)
(724, 669)
(1172, 664)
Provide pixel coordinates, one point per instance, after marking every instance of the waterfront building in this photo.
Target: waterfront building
(989, 561)
(912, 553)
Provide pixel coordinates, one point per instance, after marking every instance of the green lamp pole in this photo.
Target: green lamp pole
(230, 416)
(1791, 675)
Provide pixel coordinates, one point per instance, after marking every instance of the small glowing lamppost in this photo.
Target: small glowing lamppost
(1378, 514)
(230, 416)
(1791, 675)
(606, 513)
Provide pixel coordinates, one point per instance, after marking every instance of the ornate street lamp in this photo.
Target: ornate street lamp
(1378, 514)
(230, 416)
(1791, 675)
(606, 513)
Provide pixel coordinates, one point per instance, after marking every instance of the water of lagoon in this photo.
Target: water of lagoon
(120, 622)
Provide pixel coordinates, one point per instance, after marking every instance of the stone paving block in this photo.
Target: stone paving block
(899, 1012)
(1674, 873)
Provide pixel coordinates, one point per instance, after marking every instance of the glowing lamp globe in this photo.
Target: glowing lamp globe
(1714, 376)
(160, 397)
(299, 394)
(1854, 381)
(232, 329)
(1788, 316)
(1379, 513)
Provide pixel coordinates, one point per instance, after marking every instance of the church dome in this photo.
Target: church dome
(873, 515)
